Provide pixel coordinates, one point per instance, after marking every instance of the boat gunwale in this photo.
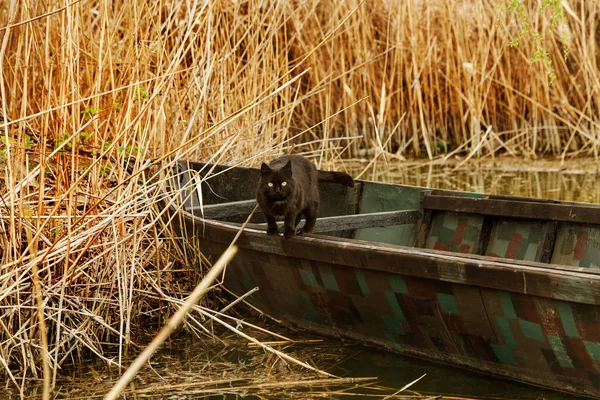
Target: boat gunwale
(517, 275)
(514, 209)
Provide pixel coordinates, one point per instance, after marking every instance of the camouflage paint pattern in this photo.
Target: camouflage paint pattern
(577, 245)
(517, 240)
(455, 232)
(527, 338)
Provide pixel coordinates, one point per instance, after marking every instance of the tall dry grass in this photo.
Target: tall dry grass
(93, 93)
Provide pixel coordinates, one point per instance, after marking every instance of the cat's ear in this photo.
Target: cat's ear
(287, 169)
(265, 169)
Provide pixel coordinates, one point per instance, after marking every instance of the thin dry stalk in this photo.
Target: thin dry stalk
(403, 388)
(173, 323)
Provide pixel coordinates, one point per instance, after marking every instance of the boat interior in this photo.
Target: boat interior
(469, 223)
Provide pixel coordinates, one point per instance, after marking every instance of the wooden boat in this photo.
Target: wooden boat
(501, 285)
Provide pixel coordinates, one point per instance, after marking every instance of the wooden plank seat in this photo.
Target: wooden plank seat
(224, 210)
(360, 221)
(324, 224)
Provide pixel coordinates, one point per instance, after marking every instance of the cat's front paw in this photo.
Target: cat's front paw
(289, 234)
(272, 230)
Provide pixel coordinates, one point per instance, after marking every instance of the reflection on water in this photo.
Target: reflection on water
(574, 181)
(396, 371)
(192, 368)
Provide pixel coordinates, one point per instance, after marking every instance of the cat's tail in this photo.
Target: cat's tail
(336, 177)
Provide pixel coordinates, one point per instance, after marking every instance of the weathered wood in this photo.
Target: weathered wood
(423, 228)
(353, 209)
(525, 277)
(355, 304)
(220, 182)
(547, 241)
(484, 235)
(371, 220)
(424, 224)
(514, 209)
(224, 210)
(360, 221)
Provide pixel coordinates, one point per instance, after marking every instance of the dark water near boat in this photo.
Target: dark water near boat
(190, 359)
(396, 371)
(176, 370)
(179, 366)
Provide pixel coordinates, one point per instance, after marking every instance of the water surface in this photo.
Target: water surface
(576, 180)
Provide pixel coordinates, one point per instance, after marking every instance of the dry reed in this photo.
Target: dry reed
(99, 96)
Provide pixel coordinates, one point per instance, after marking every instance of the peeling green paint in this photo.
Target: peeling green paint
(312, 314)
(560, 352)
(362, 282)
(568, 321)
(447, 303)
(532, 330)
(507, 334)
(504, 354)
(397, 284)
(507, 305)
(594, 349)
(329, 281)
(308, 277)
(392, 324)
(395, 306)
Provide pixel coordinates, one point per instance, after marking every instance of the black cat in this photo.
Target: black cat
(288, 188)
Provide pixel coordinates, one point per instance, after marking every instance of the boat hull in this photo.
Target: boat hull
(523, 337)
(527, 321)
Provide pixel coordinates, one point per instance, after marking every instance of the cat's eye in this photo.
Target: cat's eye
(270, 184)
(283, 183)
